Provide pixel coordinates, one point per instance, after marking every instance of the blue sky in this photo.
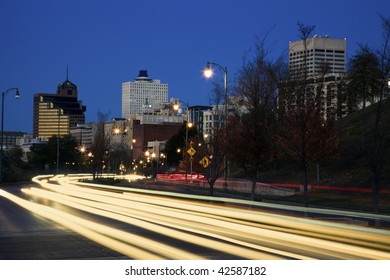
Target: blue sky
(105, 43)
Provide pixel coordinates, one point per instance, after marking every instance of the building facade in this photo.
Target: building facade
(142, 134)
(310, 55)
(83, 134)
(212, 120)
(200, 116)
(55, 114)
(15, 138)
(142, 95)
(319, 63)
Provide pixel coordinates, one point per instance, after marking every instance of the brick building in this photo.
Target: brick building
(144, 133)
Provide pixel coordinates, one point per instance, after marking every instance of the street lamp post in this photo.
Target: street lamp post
(132, 149)
(208, 73)
(58, 140)
(188, 125)
(3, 94)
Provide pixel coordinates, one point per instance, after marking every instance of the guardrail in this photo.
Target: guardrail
(246, 185)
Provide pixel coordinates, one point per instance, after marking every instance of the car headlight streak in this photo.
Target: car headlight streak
(245, 233)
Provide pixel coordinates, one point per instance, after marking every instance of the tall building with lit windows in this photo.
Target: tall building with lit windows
(143, 95)
(319, 50)
(55, 114)
(319, 62)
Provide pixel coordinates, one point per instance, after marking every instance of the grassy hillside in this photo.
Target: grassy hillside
(356, 136)
(351, 169)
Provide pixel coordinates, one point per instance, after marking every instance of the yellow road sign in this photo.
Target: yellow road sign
(204, 162)
(191, 151)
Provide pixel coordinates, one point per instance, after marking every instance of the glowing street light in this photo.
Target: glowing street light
(208, 71)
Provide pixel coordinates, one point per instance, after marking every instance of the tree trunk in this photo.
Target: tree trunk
(211, 184)
(376, 170)
(305, 189)
(253, 194)
(375, 196)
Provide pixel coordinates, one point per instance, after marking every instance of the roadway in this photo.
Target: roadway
(61, 218)
(25, 235)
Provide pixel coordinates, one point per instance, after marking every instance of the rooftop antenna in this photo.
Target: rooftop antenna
(67, 72)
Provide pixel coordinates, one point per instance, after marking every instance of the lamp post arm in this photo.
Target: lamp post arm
(223, 69)
(2, 127)
(8, 90)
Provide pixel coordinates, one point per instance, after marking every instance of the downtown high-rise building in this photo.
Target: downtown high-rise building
(320, 64)
(55, 114)
(312, 54)
(143, 95)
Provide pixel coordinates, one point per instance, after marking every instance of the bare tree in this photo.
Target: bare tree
(304, 134)
(251, 128)
(119, 157)
(100, 145)
(215, 145)
(368, 79)
(364, 78)
(374, 152)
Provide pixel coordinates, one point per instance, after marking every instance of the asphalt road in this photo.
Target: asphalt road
(27, 236)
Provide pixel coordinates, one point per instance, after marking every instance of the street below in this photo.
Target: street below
(62, 218)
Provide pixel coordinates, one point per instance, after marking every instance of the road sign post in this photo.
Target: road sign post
(191, 151)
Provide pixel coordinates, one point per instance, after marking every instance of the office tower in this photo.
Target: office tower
(319, 63)
(319, 50)
(143, 95)
(202, 118)
(55, 114)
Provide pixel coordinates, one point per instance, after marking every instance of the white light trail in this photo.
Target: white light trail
(197, 220)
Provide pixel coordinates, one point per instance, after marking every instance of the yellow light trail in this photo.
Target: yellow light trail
(73, 223)
(180, 216)
(198, 220)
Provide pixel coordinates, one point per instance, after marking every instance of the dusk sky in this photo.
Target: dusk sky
(106, 43)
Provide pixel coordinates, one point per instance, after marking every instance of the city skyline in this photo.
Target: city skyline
(106, 44)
